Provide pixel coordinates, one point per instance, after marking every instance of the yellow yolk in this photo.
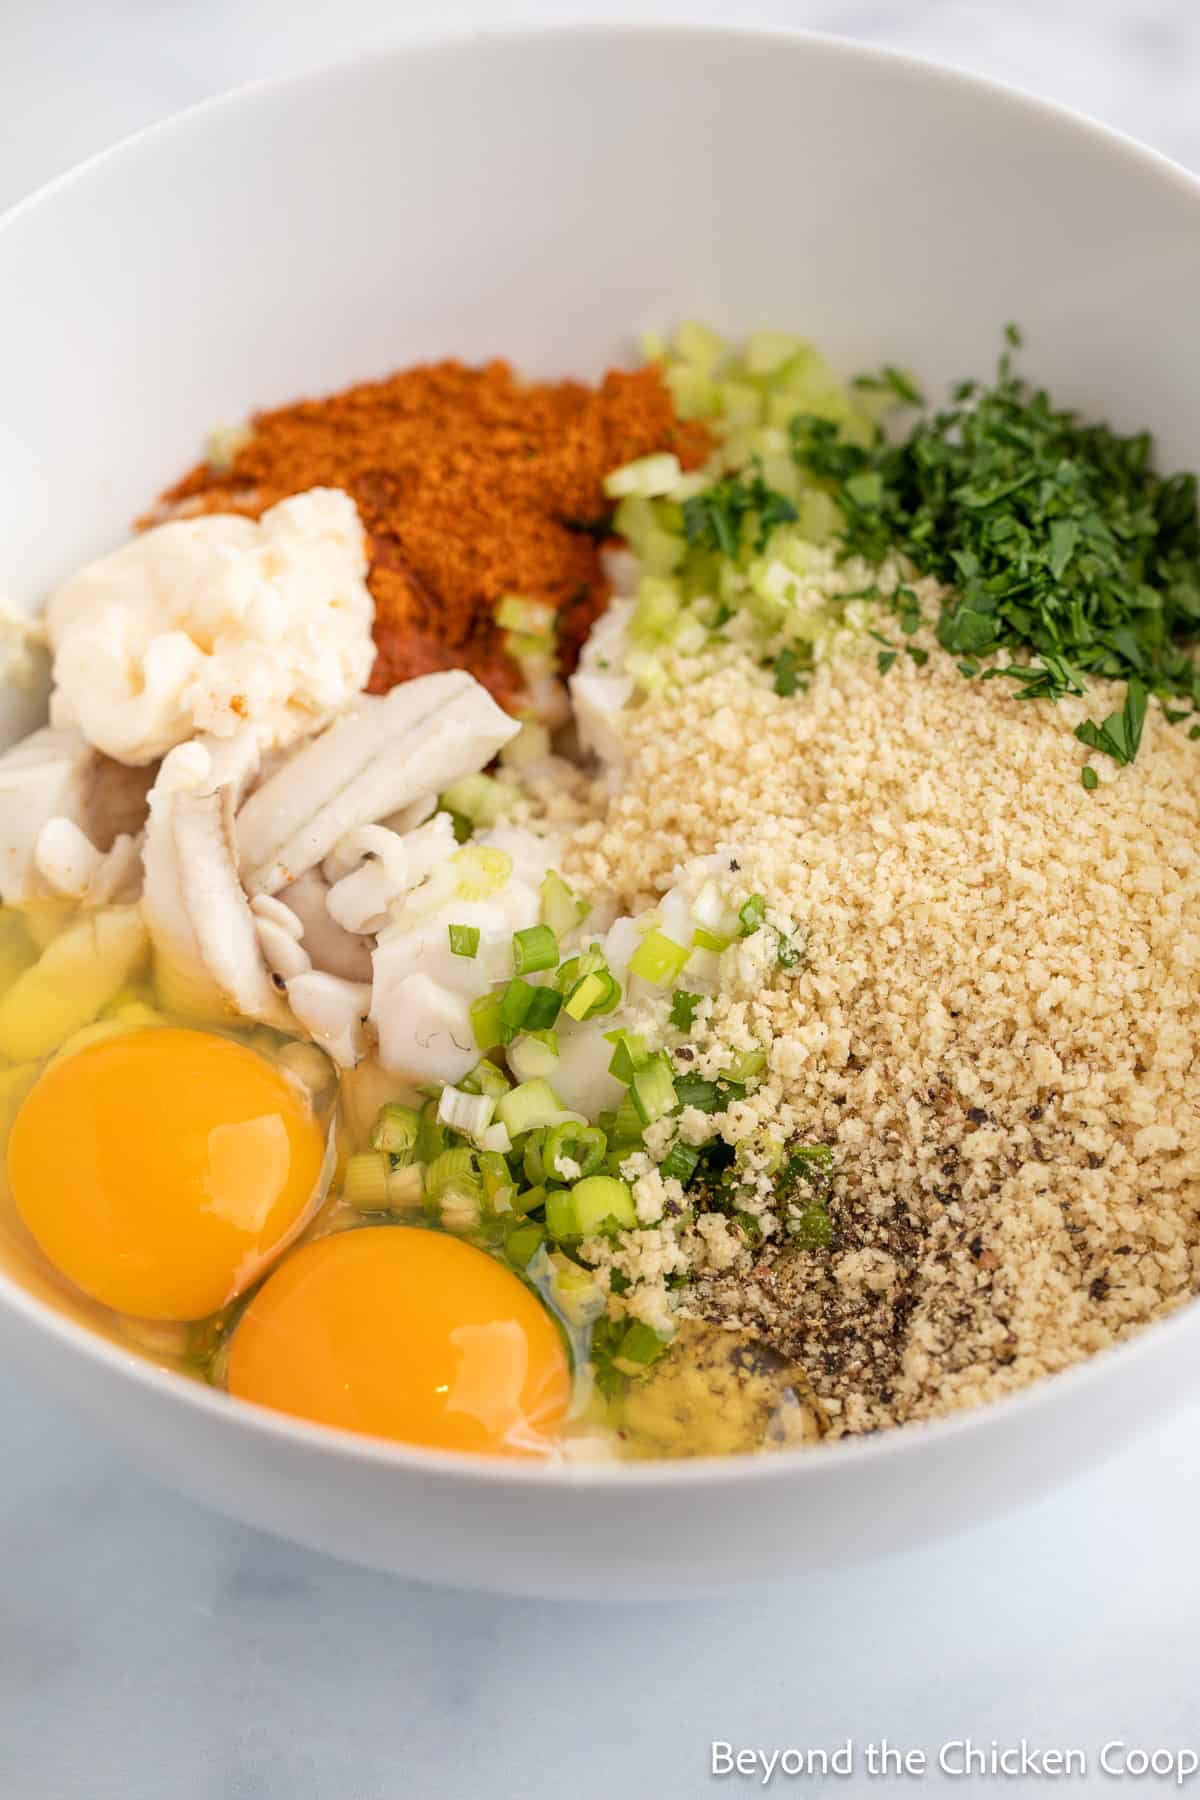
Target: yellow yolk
(160, 1170)
(404, 1333)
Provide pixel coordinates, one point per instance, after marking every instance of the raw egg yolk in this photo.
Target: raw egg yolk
(404, 1333)
(160, 1170)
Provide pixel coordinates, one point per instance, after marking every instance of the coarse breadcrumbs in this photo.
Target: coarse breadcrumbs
(995, 1024)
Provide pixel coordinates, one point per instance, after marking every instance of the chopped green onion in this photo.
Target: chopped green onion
(680, 1162)
(486, 1078)
(543, 1009)
(523, 1243)
(751, 915)
(486, 1023)
(432, 1138)
(708, 940)
(652, 1090)
(365, 1181)
(640, 1346)
(570, 973)
(629, 1055)
(531, 1057)
(528, 1106)
(469, 1113)
(601, 1204)
(515, 1002)
(585, 995)
(481, 871)
(745, 1064)
(533, 949)
(395, 1131)
(561, 1219)
(561, 909)
(533, 1160)
(585, 1146)
(453, 1174)
(658, 959)
(464, 940)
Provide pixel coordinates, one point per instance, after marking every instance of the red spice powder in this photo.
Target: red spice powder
(471, 484)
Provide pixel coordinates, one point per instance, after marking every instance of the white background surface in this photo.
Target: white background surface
(148, 1649)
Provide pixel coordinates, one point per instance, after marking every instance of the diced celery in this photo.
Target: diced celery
(648, 476)
(695, 393)
(659, 550)
(659, 602)
(741, 404)
(480, 798)
(769, 351)
(698, 344)
(533, 618)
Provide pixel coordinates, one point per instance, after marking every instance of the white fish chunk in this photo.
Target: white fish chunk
(373, 762)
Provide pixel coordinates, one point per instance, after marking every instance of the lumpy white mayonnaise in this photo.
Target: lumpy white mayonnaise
(210, 624)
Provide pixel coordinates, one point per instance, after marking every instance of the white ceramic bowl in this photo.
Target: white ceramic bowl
(542, 196)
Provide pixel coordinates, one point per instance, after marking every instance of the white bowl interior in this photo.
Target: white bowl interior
(543, 197)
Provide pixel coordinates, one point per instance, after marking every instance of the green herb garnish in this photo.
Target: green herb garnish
(683, 1009)
(716, 519)
(1060, 543)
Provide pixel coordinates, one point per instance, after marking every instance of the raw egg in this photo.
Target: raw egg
(405, 1333)
(161, 1170)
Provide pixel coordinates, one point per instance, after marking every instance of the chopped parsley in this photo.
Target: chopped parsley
(716, 519)
(751, 915)
(683, 1009)
(787, 673)
(1089, 778)
(1060, 543)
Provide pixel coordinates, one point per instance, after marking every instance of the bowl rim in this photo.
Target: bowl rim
(247, 1418)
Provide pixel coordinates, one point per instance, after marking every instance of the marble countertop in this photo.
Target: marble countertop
(153, 1651)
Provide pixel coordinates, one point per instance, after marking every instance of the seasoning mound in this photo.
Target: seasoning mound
(995, 1023)
(471, 485)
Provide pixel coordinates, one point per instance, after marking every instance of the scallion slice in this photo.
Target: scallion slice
(464, 940)
(658, 959)
(533, 949)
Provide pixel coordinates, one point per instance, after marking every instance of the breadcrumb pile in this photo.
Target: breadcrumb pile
(995, 1024)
